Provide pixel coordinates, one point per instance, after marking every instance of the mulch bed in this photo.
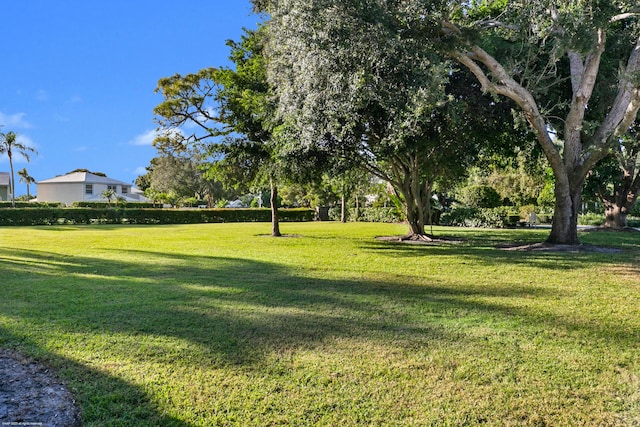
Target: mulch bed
(31, 395)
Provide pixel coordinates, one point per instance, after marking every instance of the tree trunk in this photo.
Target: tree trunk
(275, 221)
(564, 229)
(357, 213)
(624, 197)
(615, 216)
(617, 208)
(13, 185)
(343, 208)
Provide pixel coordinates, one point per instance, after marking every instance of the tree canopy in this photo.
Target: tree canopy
(363, 80)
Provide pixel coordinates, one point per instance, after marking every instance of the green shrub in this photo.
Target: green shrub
(388, 214)
(477, 217)
(369, 214)
(592, 219)
(102, 205)
(5, 204)
(481, 196)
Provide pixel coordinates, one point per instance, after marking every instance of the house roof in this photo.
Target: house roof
(4, 179)
(85, 178)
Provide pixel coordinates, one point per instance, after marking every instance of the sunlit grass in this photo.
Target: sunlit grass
(222, 325)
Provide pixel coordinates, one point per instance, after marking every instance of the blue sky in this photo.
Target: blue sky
(77, 77)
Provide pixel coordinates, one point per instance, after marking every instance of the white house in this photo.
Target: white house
(5, 186)
(82, 185)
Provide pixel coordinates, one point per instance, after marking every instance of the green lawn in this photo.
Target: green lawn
(219, 324)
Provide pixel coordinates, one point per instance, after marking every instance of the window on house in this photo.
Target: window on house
(88, 189)
(125, 190)
(111, 188)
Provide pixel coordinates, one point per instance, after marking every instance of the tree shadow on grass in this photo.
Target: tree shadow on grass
(493, 256)
(236, 312)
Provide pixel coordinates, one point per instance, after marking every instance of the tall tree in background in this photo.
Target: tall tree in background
(182, 175)
(26, 179)
(11, 146)
(233, 113)
(616, 181)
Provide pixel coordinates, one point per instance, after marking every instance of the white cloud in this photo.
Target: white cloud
(147, 137)
(13, 121)
(144, 138)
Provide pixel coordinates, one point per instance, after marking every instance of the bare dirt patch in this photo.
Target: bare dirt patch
(31, 395)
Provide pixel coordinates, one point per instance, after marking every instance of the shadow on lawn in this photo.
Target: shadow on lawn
(237, 311)
(116, 403)
(488, 254)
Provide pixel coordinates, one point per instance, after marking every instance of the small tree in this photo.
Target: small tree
(232, 112)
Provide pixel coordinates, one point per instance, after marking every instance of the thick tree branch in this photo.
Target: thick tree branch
(502, 83)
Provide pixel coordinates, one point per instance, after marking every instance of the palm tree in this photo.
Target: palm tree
(26, 179)
(9, 145)
(108, 194)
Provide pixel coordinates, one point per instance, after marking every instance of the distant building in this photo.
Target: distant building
(82, 185)
(5, 186)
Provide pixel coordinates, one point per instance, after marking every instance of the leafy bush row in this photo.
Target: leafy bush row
(479, 217)
(53, 216)
(19, 204)
(369, 214)
(102, 205)
(500, 217)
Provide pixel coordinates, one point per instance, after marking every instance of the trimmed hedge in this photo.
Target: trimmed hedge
(103, 205)
(20, 204)
(56, 216)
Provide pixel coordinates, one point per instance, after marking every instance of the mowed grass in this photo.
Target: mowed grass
(219, 324)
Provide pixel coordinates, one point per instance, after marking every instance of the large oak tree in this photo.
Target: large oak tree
(550, 58)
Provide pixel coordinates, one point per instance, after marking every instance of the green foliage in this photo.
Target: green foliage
(590, 218)
(181, 175)
(481, 196)
(369, 214)
(362, 80)
(499, 217)
(54, 216)
(26, 204)
(103, 205)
